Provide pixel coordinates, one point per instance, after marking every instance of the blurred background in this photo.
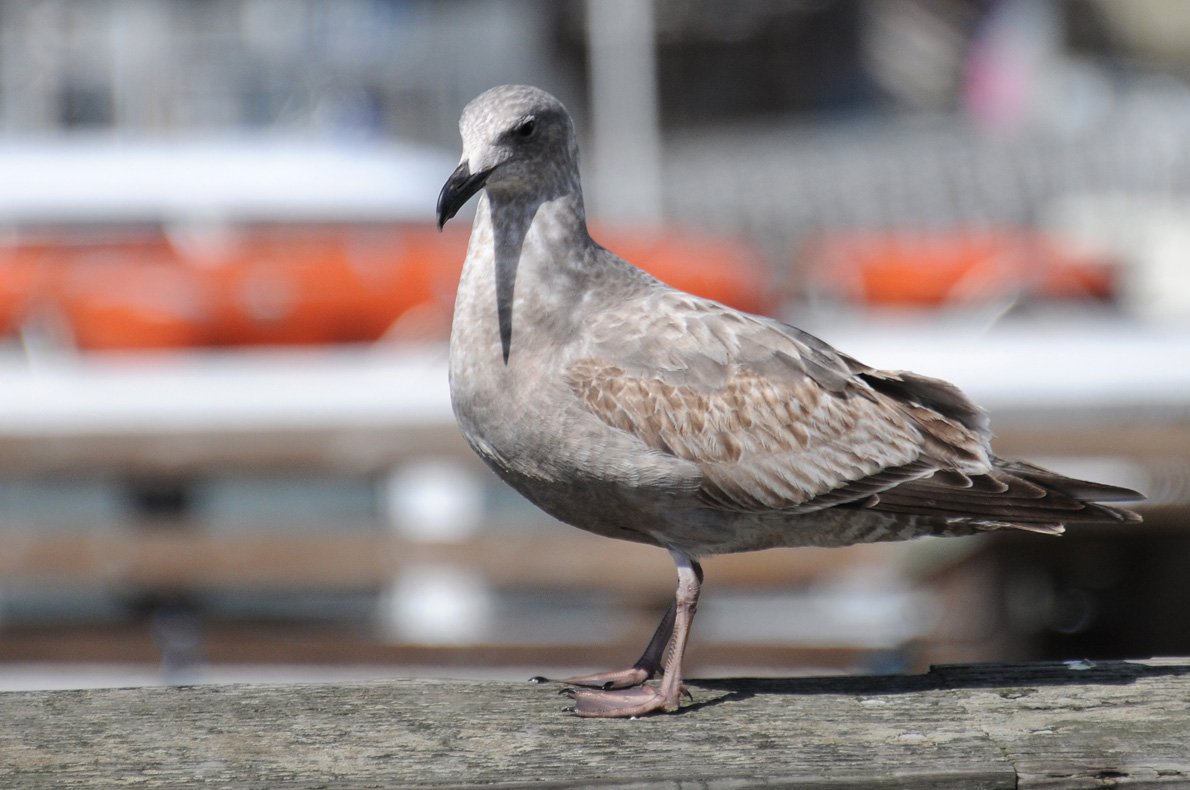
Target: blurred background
(226, 444)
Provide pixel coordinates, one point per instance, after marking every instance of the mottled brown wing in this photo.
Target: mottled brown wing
(774, 418)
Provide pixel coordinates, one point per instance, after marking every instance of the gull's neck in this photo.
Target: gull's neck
(538, 243)
(527, 267)
(560, 220)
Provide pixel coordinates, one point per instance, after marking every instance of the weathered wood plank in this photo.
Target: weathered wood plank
(1120, 723)
(1084, 724)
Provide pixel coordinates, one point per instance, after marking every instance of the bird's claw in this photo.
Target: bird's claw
(622, 703)
(607, 681)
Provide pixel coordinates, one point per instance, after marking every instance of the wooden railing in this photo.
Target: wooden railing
(1064, 725)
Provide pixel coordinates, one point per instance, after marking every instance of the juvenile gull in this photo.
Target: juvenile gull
(635, 411)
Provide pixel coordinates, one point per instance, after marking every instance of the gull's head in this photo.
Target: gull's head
(518, 141)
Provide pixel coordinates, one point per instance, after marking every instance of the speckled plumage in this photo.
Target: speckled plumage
(636, 411)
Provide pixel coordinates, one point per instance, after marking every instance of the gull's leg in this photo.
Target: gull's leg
(648, 665)
(643, 699)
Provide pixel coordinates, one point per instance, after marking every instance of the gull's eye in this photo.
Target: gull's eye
(526, 129)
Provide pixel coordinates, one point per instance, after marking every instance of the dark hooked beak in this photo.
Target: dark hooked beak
(457, 190)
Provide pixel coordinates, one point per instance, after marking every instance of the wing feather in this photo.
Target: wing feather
(777, 420)
(774, 418)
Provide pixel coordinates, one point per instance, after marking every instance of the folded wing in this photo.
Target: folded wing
(777, 420)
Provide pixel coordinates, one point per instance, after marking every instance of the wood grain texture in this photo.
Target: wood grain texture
(981, 726)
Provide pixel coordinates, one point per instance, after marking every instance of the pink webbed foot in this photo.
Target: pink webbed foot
(622, 703)
(607, 681)
(623, 694)
(647, 666)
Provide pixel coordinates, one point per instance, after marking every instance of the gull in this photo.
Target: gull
(635, 411)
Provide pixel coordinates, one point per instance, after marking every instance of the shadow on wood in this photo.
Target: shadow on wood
(957, 677)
